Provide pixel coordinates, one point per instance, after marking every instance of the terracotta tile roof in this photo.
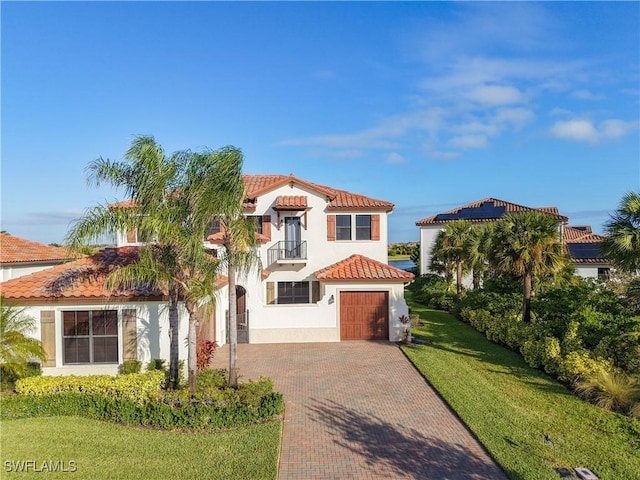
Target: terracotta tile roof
(338, 199)
(218, 238)
(485, 210)
(18, 250)
(82, 279)
(582, 234)
(359, 267)
(291, 202)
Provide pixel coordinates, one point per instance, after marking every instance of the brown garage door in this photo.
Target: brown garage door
(364, 315)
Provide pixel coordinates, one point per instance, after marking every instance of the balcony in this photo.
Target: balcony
(290, 252)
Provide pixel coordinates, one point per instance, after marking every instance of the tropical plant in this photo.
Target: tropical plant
(454, 244)
(527, 244)
(17, 349)
(160, 209)
(622, 245)
(479, 248)
(219, 195)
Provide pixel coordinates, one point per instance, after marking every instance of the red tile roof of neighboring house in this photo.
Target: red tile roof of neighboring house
(18, 250)
(583, 245)
(291, 202)
(359, 267)
(507, 207)
(81, 281)
(582, 234)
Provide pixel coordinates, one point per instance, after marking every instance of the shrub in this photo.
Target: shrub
(131, 366)
(610, 389)
(579, 365)
(137, 387)
(205, 354)
(156, 364)
(9, 376)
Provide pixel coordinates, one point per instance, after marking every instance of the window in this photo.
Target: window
(212, 228)
(90, 336)
(343, 227)
(258, 220)
(363, 227)
(604, 273)
(293, 292)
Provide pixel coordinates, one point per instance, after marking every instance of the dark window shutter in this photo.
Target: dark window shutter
(266, 226)
(48, 337)
(271, 293)
(331, 228)
(375, 227)
(315, 292)
(129, 335)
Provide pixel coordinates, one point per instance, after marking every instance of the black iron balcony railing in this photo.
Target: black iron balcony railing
(287, 250)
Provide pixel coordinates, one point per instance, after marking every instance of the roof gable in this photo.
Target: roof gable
(19, 250)
(486, 210)
(359, 267)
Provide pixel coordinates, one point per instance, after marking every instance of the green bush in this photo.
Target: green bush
(156, 364)
(433, 291)
(9, 377)
(131, 366)
(137, 399)
(137, 387)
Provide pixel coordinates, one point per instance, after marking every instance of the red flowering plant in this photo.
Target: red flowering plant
(205, 354)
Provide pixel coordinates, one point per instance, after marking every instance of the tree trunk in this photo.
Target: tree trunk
(192, 352)
(476, 279)
(526, 303)
(174, 326)
(459, 279)
(233, 327)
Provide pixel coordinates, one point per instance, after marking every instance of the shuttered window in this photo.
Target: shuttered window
(48, 337)
(343, 227)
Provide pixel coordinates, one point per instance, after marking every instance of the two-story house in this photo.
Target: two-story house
(324, 278)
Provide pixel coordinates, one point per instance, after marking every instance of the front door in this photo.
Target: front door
(292, 237)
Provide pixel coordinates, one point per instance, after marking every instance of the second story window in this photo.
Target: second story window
(343, 227)
(212, 228)
(258, 222)
(363, 227)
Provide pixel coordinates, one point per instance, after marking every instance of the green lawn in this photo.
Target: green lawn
(398, 258)
(103, 450)
(510, 406)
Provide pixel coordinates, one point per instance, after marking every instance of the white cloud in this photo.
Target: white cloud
(444, 155)
(585, 131)
(395, 158)
(469, 141)
(586, 95)
(517, 117)
(495, 95)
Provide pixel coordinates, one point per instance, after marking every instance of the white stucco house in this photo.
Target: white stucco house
(324, 278)
(581, 243)
(20, 257)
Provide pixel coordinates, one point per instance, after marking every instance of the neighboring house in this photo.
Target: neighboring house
(483, 211)
(19, 257)
(585, 249)
(324, 278)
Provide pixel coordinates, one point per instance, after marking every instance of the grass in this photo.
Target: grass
(104, 450)
(398, 258)
(510, 406)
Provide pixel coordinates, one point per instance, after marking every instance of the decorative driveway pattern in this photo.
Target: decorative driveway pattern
(360, 410)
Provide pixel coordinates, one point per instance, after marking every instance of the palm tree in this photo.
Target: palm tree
(527, 244)
(479, 248)
(454, 244)
(175, 261)
(17, 349)
(622, 245)
(219, 195)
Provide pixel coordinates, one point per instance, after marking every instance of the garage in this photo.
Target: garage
(364, 315)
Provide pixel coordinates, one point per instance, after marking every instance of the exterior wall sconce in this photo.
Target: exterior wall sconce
(331, 299)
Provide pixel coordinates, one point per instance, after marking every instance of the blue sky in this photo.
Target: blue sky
(429, 105)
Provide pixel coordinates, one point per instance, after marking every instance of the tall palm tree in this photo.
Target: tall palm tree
(175, 261)
(219, 195)
(527, 244)
(479, 248)
(622, 245)
(454, 243)
(16, 347)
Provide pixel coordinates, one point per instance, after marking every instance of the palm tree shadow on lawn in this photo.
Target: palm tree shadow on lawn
(403, 451)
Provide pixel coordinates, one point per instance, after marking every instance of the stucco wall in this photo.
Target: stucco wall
(9, 271)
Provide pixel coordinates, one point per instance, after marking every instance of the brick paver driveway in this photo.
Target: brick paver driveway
(359, 410)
